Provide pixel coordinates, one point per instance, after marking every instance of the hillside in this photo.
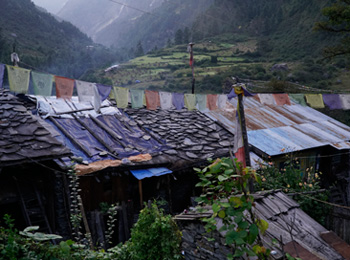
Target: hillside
(125, 25)
(104, 22)
(45, 43)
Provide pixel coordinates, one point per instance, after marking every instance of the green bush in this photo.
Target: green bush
(155, 236)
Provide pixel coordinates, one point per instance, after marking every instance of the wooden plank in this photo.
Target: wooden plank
(296, 250)
(337, 243)
(71, 138)
(94, 134)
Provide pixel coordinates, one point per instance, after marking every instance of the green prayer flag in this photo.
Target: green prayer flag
(121, 96)
(42, 83)
(137, 97)
(18, 79)
(190, 101)
(201, 100)
(298, 98)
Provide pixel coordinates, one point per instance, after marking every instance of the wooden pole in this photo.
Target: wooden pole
(192, 64)
(141, 193)
(239, 90)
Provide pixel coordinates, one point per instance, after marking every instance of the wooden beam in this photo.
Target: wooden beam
(108, 130)
(70, 137)
(141, 193)
(94, 134)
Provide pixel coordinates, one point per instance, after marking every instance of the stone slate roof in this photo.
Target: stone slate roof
(190, 135)
(285, 217)
(22, 137)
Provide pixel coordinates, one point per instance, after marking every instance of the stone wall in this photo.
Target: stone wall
(195, 244)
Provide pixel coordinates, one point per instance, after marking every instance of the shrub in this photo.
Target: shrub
(155, 236)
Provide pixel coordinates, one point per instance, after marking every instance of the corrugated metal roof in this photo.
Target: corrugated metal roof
(277, 130)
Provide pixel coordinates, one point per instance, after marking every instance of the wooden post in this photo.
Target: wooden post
(244, 132)
(141, 193)
(192, 64)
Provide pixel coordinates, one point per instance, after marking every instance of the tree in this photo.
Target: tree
(178, 37)
(338, 22)
(186, 36)
(139, 50)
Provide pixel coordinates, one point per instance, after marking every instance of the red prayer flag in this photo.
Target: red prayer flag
(152, 99)
(282, 99)
(64, 87)
(212, 101)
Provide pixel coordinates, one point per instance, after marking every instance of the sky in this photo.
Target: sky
(53, 6)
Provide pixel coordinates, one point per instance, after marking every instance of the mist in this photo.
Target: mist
(52, 6)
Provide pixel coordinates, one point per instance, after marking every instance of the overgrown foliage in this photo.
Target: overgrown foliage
(292, 179)
(155, 236)
(225, 185)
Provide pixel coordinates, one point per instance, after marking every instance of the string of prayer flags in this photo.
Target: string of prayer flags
(137, 97)
(345, 101)
(222, 99)
(103, 90)
(267, 99)
(178, 101)
(232, 94)
(201, 101)
(152, 99)
(18, 79)
(314, 100)
(121, 96)
(212, 100)
(42, 83)
(281, 99)
(332, 101)
(64, 87)
(86, 90)
(2, 71)
(97, 99)
(298, 98)
(165, 100)
(190, 101)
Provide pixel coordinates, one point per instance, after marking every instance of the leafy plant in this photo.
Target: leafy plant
(155, 236)
(225, 184)
(292, 179)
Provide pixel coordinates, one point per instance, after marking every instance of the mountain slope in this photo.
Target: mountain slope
(43, 42)
(93, 16)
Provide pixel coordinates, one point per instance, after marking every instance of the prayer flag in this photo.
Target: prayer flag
(103, 90)
(18, 79)
(201, 101)
(97, 99)
(267, 99)
(332, 101)
(178, 101)
(190, 101)
(282, 99)
(232, 94)
(238, 147)
(121, 96)
(152, 99)
(314, 100)
(345, 100)
(42, 83)
(86, 91)
(298, 98)
(64, 87)
(222, 99)
(165, 100)
(137, 97)
(212, 101)
(2, 71)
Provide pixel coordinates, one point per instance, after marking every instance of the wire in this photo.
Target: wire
(328, 203)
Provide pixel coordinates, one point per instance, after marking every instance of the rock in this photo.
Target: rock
(280, 67)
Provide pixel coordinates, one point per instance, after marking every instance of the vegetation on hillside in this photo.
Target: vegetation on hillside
(46, 44)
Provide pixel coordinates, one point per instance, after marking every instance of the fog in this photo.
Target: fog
(53, 6)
